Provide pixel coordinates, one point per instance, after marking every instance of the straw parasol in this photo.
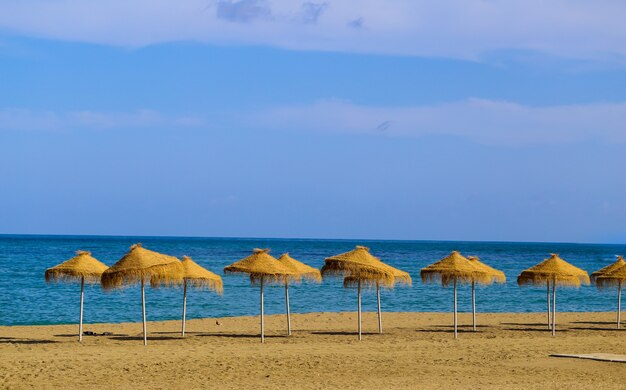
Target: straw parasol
(361, 268)
(302, 271)
(553, 270)
(454, 269)
(261, 267)
(139, 265)
(198, 277)
(608, 269)
(81, 267)
(400, 277)
(492, 275)
(612, 274)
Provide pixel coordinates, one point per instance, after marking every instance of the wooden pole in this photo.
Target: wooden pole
(359, 309)
(287, 304)
(548, 304)
(82, 298)
(262, 314)
(474, 305)
(619, 304)
(143, 310)
(455, 330)
(184, 307)
(380, 318)
(554, 307)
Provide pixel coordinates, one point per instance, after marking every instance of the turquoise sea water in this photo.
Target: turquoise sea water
(25, 298)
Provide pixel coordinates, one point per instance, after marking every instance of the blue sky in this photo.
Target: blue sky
(461, 120)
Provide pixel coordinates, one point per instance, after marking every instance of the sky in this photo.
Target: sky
(451, 120)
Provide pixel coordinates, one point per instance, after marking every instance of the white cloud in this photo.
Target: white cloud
(484, 121)
(28, 120)
(478, 120)
(466, 29)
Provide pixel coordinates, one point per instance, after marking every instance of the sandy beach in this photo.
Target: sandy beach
(417, 350)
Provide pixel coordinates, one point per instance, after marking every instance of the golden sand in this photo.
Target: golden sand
(510, 351)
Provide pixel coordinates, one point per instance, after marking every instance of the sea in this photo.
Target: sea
(26, 299)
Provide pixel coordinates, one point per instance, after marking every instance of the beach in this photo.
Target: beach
(417, 350)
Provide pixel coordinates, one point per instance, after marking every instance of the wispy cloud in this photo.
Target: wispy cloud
(29, 120)
(356, 23)
(243, 10)
(311, 12)
(468, 29)
(479, 120)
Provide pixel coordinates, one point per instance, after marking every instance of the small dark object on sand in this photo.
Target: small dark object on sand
(90, 333)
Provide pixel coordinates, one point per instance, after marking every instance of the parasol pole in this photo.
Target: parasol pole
(548, 303)
(554, 307)
(184, 306)
(455, 331)
(473, 305)
(359, 309)
(287, 304)
(143, 310)
(380, 318)
(262, 314)
(82, 298)
(619, 304)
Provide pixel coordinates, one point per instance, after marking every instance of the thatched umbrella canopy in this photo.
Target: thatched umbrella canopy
(198, 277)
(612, 275)
(553, 268)
(613, 278)
(81, 267)
(399, 277)
(454, 269)
(140, 265)
(555, 271)
(358, 261)
(490, 276)
(302, 271)
(608, 269)
(261, 267)
(359, 267)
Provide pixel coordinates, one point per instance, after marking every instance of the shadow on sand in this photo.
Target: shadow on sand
(89, 335)
(11, 340)
(242, 336)
(177, 332)
(614, 329)
(545, 330)
(451, 330)
(344, 333)
(451, 327)
(545, 324)
(140, 338)
(614, 323)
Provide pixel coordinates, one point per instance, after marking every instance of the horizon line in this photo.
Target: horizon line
(56, 235)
